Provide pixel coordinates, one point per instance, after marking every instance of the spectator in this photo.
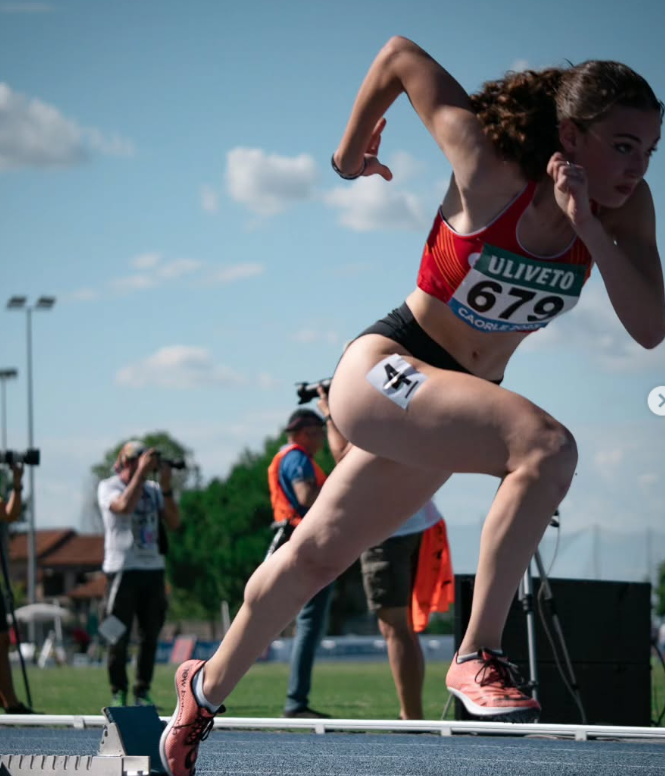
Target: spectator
(295, 480)
(132, 508)
(10, 512)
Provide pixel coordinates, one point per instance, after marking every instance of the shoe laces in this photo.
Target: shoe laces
(200, 728)
(497, 670)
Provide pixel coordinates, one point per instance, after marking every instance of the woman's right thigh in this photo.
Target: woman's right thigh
(451, 421)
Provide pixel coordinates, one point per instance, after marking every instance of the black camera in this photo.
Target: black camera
(308, 391)
(174, 463)
(11, 457)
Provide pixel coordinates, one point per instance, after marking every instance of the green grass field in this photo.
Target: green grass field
(341, 689)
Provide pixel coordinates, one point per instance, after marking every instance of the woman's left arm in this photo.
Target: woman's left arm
(622, 243)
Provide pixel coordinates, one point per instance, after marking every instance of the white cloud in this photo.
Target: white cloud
(35, 134)
(146, 260)
(177, 366)
(519, 65)
(136, 282)
(209, 198)
(269, 382)
(404, 167)
(107, 144)
(268, 184)
(155, 271)
(177, 268)
(607, 461)
(83, 295)
(230, 274)
(371, 203)
(594, 328)
(308, 336)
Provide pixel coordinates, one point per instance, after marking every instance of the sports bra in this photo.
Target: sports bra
(492, 283)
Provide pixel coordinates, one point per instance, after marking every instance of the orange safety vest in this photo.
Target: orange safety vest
(434, 588)
(282, 508)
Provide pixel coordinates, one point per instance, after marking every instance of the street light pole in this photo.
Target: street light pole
(5, 374)
(20, 303)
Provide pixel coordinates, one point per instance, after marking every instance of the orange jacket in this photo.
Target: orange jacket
(282, 508)
(434, 588)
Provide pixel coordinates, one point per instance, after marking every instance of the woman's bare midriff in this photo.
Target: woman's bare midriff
(483, 354)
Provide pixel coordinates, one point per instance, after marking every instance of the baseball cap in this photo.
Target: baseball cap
(302, 418)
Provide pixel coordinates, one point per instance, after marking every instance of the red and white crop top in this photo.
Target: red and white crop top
(492, 283)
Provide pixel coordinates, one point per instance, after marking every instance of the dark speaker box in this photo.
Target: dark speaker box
(607, 631)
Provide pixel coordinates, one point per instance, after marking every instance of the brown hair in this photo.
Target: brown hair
(520, 113)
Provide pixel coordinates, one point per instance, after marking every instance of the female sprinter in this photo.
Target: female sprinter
(548, 180)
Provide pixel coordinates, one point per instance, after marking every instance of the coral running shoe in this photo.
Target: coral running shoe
(489, 687)
(189, 725)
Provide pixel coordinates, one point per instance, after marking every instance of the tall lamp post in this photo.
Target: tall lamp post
(5, 374)
(21, 303)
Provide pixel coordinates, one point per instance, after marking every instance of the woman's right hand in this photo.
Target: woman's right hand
(373, 166)
(371, 163)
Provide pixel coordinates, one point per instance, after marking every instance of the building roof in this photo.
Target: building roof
(45, 542)
(85, 550)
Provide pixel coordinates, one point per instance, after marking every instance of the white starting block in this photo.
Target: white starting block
(129, 747)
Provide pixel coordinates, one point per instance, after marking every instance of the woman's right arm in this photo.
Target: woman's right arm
(439, 100)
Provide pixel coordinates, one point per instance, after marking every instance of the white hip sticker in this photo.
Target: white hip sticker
(397, 379)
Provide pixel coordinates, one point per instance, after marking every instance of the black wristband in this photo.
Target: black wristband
(167, 493)
(343, 174)
(327, 418)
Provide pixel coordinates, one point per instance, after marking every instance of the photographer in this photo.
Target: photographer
(133, 508)
(295, 480)
(10, 511)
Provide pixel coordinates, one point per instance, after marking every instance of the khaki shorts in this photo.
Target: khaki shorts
(389, 571)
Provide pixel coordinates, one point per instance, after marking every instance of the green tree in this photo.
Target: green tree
(224, 536)
(660, 591)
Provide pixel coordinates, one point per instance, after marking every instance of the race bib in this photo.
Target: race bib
(507, 292)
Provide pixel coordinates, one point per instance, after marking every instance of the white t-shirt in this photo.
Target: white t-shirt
(424, 518)
(131, 541)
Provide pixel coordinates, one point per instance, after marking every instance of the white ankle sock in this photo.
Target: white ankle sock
(197, 688)
(474, 655)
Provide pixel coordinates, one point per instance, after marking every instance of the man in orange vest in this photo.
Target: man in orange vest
(295, 480)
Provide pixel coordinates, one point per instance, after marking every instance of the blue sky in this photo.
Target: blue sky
(164, 172)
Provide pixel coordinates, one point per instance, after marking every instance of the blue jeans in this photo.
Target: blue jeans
(310, 625)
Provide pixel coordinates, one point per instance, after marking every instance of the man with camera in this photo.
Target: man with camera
(10, 512)
(295, 480)
(135, 510)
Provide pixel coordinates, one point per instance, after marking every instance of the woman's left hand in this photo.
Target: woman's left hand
(571, 189)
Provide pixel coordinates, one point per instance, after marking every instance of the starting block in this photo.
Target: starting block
(129, 747)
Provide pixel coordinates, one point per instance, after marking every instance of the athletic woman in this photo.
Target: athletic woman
(548, 180)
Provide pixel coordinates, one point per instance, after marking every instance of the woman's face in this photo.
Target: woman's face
(615, 152)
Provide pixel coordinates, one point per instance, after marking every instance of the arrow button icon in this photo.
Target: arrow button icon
(656, 400)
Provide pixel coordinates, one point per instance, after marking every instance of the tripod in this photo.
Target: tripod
(526, 597)
(9, 602)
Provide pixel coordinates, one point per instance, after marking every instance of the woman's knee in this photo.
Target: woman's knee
(548, 450)
(302, 567)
